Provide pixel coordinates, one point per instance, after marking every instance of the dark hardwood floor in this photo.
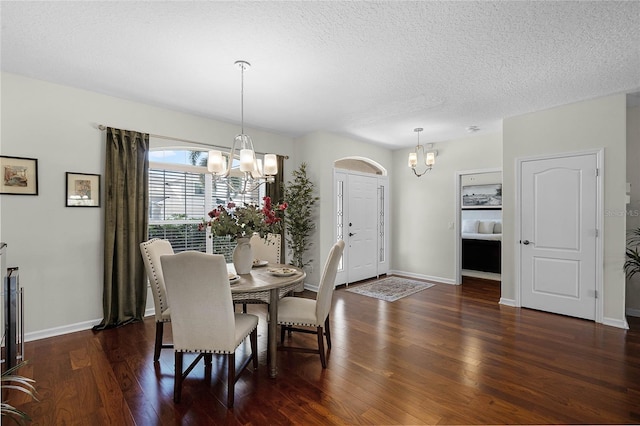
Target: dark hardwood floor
(446, 355)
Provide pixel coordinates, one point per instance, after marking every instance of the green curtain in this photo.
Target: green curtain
(124, 296)
(275, 191)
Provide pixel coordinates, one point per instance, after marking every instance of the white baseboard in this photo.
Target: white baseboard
(423, 277)
(310, 287)
(87, 325)
(71, 328)
(507, 302)
(606, 321)
(616, 323)
(58, 331)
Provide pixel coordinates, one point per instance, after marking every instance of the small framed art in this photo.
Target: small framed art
(19, 175)
(83, 190)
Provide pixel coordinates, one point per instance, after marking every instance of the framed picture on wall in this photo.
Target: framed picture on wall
(482, 196)
(19, 175)
(83, 190)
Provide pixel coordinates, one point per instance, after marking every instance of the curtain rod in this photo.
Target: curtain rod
(169, 138)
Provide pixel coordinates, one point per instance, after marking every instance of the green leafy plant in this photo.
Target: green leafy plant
(632, 264)
(244, 221)
(20, 383)
(300, 219)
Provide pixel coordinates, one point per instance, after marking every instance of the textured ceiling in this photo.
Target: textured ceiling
(371, 70)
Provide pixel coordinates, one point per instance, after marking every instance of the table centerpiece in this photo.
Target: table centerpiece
(241, 222)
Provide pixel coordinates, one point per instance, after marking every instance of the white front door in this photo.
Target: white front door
(361, 227)
(558, 217)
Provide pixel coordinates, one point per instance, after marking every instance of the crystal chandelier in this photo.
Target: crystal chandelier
(428, 155)
(253, 173)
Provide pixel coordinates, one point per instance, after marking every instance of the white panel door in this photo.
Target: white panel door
(558, 235)
(362, 228)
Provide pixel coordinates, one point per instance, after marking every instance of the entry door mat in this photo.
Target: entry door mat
(390, 288)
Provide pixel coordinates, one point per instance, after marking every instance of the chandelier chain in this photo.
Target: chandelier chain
(242, 98)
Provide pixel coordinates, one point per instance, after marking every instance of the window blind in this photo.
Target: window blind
(180, 200)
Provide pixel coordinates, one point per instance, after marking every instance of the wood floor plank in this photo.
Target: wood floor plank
(445, 355)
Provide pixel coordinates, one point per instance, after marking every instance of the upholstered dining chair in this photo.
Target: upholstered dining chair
(267, 248)
(203, 320)
(151, 251)
(296, 312)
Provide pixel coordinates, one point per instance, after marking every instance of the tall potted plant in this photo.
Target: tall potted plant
(300, 215)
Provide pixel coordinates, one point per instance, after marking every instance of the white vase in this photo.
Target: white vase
(243, 256)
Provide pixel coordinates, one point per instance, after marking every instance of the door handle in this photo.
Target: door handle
(351, 234)
(527, 242)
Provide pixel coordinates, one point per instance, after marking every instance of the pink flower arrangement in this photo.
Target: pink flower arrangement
(271, 215)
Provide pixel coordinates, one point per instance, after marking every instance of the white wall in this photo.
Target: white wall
(422, 243)
(633, 209)
(486, 214)
(320, 150)
(588, 125)
(59, 249)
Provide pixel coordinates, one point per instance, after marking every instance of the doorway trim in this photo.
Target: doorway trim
(599, 153)
(458, 219)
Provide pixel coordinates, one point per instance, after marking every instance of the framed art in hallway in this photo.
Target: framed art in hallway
(482, 196)
(83, 190)
(19, 175)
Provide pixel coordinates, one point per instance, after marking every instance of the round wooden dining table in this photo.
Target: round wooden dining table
(266, 285)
